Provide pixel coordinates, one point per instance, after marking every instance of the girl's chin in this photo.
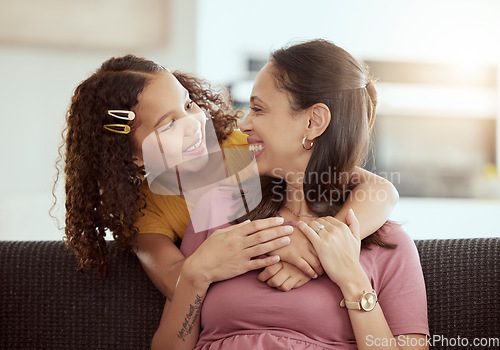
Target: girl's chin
(195, 163)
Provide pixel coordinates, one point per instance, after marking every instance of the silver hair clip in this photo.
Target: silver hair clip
(126, 115)
(120, 114)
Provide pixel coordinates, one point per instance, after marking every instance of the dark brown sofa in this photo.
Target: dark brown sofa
(46, 304)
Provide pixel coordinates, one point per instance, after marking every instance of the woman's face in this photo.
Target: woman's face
(170, 123)
(274, 132)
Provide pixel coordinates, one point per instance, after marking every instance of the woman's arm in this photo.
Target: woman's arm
(236, 248)
(373, 199)
(370, 328)
(338, 248)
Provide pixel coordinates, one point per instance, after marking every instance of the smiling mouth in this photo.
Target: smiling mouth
(255, 148)
(194, 146)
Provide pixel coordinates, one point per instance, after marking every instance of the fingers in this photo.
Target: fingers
(272, 276)
(288, 285)
(332, 224)
(278, 279)
(267, 235)
(309, 233)
(269, 272)
(256, 264)
(329, 223)
(315, 263)
(300, 283)
(258, 225)
(283, 276)
(315, 240)
(267, 247)
(288, 278)
(306, 268)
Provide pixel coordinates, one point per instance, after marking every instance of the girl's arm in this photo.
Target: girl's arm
(180, 323)
(372, 199)
(161, 259)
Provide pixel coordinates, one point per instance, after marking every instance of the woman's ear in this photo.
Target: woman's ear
(319, 117)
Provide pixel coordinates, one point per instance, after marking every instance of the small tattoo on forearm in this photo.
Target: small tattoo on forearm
(190, 318)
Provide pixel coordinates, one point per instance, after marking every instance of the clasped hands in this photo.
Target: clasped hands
(324, 244)
(290, 256)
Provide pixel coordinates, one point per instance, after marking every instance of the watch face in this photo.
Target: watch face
(368, 301)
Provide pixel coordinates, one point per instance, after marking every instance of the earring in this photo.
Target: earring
(304, 143)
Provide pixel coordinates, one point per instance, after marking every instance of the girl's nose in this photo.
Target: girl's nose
(191, 125)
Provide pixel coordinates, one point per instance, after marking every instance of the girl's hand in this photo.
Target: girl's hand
(283, 276)
(300, 253)
(337, 245)
(230, 252)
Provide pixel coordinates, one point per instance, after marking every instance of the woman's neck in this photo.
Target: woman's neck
(295, 202)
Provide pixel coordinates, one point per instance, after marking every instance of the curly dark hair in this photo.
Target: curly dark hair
(102, 181)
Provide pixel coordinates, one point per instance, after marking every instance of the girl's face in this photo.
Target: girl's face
(274, 132)
(170, 124)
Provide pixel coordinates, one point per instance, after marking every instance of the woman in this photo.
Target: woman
(312, 107)
(111, 114)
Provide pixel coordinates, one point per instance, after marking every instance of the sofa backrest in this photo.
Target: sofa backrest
(45, 303)
(462, 279)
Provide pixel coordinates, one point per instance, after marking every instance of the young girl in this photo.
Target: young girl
(313, 106)
(111, 114)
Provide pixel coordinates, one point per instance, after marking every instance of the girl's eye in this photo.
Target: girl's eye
(256, 109)
(189, 105)
(167, 127)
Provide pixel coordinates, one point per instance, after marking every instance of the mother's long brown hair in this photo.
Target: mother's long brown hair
(102, 181)
(320, 72)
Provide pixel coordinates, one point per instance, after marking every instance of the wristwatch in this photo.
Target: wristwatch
(367, 302)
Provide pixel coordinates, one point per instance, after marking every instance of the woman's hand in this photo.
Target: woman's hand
(300, 253)
(338, 246)
(283, 276)
(230, 252)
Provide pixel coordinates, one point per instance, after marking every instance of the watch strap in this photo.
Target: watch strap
(353, 305)
(356, 305)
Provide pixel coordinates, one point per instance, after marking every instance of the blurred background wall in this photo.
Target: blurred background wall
(437, 130)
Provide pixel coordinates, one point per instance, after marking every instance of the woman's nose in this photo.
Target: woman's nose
(246, 125)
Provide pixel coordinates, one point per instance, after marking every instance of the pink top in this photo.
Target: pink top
(244, 313)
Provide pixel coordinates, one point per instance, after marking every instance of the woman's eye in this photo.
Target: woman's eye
(256, 109)
(189, 105)
(167, 127)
